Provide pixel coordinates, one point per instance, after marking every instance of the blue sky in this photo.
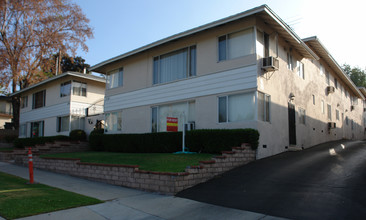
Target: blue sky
(123, 25)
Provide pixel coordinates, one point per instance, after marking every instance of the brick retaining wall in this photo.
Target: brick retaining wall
(132, 176)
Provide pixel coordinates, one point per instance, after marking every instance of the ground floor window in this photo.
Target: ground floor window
(23, 130)
(172, 117)
(264, 101)
(113, 121)
(238, 107)
(302, 116)
(37, 129)
(63, 123)
(77, 122)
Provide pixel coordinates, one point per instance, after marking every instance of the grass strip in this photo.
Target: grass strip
(161, 162)
(19, 199)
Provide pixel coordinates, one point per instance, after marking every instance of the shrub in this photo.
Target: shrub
(30, 142)
(77, 135)
(205, 141)
(217, 140)
(97, 131)
(10, 138)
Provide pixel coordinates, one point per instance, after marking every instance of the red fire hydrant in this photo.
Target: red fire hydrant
(30, 166)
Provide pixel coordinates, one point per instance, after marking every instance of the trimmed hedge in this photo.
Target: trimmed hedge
(204, 141)
(77, 135)
(30, 142)
(216, 140)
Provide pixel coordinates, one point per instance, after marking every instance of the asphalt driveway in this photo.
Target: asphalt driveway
(327, 181)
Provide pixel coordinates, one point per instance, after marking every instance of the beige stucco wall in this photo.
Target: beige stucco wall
(138, 69)
(274, 135)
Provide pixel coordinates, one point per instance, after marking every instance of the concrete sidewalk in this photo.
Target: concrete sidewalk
(125, 203)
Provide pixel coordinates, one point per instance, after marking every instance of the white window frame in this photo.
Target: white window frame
(34, 99)
(227, 107)
(64, 91)
(266, 108)
(59, 123)
(118, 125)
(78, 88)
(227, 38)
(116, 74)
(191, 65)
(300, 69)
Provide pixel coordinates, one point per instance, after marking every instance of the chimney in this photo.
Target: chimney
(84, 70)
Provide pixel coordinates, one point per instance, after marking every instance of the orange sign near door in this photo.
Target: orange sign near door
(171, 124)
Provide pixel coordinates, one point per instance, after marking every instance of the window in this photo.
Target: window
(24, 102)
(327, 77)
(37, 129)
(236, 45)
(78, 88)
(346, 120)
(65, 89)
(183, 112)
(63, 123)
(313, 99)
(263, 107)
(113, 121)
(154, 119)
(236, 107)
(115, 79)
(352, 124)
(302, 115)
(329, 112)
(23, 130)
(323, 107)
(335, 83)
(337, 114)
(290, 64)
(179, 64)
(77, 123)
(39, 99)
(300, 69)
(321, 69)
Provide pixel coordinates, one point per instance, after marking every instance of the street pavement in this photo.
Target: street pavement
(125, 203)
(327, 181)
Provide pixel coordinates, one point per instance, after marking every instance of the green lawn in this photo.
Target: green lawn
(18, 199)
(151, 162)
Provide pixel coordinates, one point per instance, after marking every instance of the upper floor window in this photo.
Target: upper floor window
(300, 69)
(78, 88)
(65, 89)
(24, 102)
(329, 112)
(321, 69)
(327, 77)
(335, 83)
(39, 99)
(236, 44)
(290, 64)
(115, 78)
(175, 65)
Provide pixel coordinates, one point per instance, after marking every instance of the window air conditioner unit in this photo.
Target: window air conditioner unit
(330, 89)
(331, 125)
(270, 64)
(190, 126)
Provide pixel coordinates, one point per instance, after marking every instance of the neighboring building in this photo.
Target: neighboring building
(61, 104)
(6, 111)
(249, 70)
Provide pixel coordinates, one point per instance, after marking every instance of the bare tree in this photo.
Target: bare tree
(33, 30)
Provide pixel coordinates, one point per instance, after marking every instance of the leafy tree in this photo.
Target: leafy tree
(30, 32)
(357, 75)
(75, 64)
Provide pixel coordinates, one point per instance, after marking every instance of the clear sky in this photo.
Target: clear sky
(123, 25)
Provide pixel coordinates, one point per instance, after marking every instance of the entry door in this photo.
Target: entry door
(292, 123)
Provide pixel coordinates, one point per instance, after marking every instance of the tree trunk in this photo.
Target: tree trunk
(16, 107)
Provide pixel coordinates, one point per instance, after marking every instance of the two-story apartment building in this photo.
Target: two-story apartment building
(61, 104)
(249, 70)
